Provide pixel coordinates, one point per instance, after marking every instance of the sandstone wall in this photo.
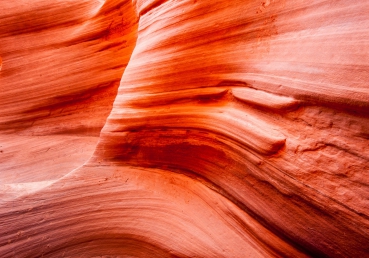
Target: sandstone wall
(239, 128)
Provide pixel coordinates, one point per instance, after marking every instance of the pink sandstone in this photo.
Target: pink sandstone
(184, 128)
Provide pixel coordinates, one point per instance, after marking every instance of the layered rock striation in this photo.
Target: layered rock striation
(239, 129)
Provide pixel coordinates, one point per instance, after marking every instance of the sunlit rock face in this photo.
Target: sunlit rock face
(239, 128)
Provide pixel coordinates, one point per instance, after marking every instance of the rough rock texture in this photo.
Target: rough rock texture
(239, 129)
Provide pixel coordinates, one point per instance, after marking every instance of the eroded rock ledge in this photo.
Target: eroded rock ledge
(239, 128)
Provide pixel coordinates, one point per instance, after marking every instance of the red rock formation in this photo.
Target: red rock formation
(62, 63)
(239, 129)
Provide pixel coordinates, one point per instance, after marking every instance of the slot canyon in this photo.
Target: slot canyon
(184, 128)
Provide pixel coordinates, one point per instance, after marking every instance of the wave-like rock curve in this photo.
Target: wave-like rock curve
(239, 129)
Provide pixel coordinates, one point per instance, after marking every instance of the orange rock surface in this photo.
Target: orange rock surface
(194, 128)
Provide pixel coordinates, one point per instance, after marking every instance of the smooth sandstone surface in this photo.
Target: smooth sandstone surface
(193, 128)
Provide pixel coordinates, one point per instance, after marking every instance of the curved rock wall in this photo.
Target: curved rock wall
(61, 67)
(62, 63)
(239, 129)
